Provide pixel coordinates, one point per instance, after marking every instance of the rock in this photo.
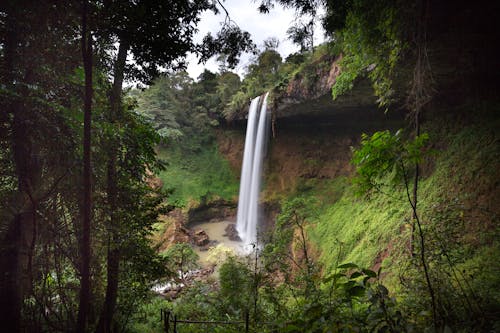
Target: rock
(212, 211)
(181, 234)
(172, 295)
(210, 244)
(200, 237)
(232, 233)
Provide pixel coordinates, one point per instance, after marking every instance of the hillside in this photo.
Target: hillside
(309, 160)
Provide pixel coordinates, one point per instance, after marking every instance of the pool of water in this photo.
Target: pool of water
(215, 231)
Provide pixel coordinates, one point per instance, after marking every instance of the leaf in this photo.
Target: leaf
(348, 265)
(356, 274)
(357, 291)
(369, 273)
(335, 276)
(291, 328)
(384, 328)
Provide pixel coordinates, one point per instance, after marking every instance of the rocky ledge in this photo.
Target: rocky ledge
(309, 93)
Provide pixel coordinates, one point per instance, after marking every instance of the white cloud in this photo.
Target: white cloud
(246, 15)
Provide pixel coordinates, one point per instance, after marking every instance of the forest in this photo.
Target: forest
(378, 203)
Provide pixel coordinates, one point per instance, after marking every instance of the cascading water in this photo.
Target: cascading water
(251, 171)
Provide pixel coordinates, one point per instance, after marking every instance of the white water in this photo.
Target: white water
(251, 172)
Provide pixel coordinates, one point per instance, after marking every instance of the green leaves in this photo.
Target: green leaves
(355, 284)
(348, 265)
(371, 35)
(181, 257)
(230, 42)
(385, 158)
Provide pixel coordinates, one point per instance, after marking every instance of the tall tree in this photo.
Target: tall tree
(157, 35)
(31, 95)
(14, 240)
(85, 252)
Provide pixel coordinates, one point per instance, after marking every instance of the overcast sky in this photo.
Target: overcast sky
(248, 18)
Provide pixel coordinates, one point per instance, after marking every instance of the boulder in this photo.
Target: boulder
(232, 233)
(209, 245)
(200, 237)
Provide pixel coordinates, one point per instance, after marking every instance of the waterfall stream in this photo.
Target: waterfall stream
(251, 170)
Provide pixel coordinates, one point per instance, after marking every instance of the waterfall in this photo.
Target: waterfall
(251, 171)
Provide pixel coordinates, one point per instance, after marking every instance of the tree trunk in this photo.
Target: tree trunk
(17, 244)
(84, 301)
(11, 293)
(114, 250)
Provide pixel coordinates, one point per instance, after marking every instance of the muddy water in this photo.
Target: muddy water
(215, 231)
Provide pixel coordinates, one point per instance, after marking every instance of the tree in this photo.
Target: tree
(228, 85)
(306, 14)
(156, 34)
(264, 71)
(289, 252)
(236, 287)
(34, 79)
(87, 55)
(181, 259)
(53, 60)
(301, 35)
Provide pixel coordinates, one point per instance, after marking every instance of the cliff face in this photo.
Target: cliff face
(309, 140)
(318, 146)
(311, 134)
(309, 92)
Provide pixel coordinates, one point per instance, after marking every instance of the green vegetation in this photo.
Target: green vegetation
(376, 230)
(76, 209)
(308, 282)
(196, 178)
(180, 259)
(269, 73)
(409, 243)
(184, 114)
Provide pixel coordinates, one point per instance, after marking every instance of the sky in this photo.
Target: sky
(260, 26)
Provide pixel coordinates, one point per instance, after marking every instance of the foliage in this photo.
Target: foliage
(197, 177)
(145, 320)
(347, 228)
(384, 154)
(374, 231)
(184, 114)
(301, 34)
(235, 287)
(158, 104)
(42, 87)
(372, 38)
(180, 258)
(180, 108)
(306, 14)
(219, 254)
(268, 72)
(230, 42)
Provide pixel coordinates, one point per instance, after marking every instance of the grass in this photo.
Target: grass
(197, 177)
(358, 230)
(456, 204)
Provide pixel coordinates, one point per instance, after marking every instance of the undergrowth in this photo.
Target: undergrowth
(197, 177)
(460, 220)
